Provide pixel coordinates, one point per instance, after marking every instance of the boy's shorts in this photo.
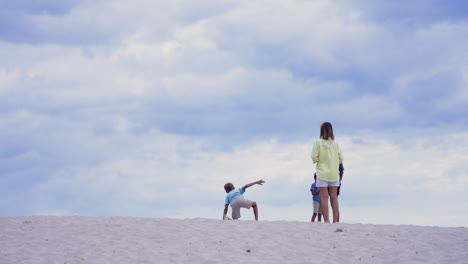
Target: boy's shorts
(322, 183)
(317, 208)
(236, 205)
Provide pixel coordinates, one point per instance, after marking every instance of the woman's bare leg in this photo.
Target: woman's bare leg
(324, 203)
(334, 204)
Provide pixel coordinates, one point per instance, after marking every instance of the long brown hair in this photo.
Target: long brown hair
(326, 131)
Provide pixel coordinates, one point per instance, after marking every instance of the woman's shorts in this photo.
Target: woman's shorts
(236, 205)
(322, 183)
(317, 208)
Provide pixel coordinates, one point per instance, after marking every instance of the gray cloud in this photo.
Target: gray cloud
(414, 13)
(15, 25)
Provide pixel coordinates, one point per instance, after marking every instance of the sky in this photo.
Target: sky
(147, 108)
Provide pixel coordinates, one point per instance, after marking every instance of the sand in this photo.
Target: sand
(79, 239)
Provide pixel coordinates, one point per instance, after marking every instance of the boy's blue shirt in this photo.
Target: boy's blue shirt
(233, 194)
(315, 197)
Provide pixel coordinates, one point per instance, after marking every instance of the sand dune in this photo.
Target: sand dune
(78, 239)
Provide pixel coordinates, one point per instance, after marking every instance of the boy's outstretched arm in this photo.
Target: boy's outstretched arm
(259, 182)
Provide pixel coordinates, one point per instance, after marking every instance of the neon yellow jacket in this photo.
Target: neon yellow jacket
(327, 155)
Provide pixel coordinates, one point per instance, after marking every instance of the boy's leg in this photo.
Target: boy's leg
(244, 203)
(316, 205)
(334, 203)
(255, 209)
(319, 217)
(235, 206)
(236, 212)
(338, 194)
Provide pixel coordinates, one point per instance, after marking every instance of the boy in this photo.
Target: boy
(341, 170)
(316, 200)
(236, 200)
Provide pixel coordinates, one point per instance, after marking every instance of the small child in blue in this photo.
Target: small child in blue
(236, 200)
(316, 200)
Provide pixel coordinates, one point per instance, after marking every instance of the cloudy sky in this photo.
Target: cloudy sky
(146, 108)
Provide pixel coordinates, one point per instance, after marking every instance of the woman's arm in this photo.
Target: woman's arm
(340, 155)
(315, 152)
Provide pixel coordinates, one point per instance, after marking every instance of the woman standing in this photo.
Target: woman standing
(327, 154)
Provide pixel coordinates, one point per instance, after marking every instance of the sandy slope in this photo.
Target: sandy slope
(77, 239)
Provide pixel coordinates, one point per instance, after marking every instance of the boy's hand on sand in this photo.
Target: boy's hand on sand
(225, 217)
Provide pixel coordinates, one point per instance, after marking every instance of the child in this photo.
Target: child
(316, 200)
(236, 200)
(341, 170)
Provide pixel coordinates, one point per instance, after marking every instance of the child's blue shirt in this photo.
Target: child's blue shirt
(315, 197)
(233, 194)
